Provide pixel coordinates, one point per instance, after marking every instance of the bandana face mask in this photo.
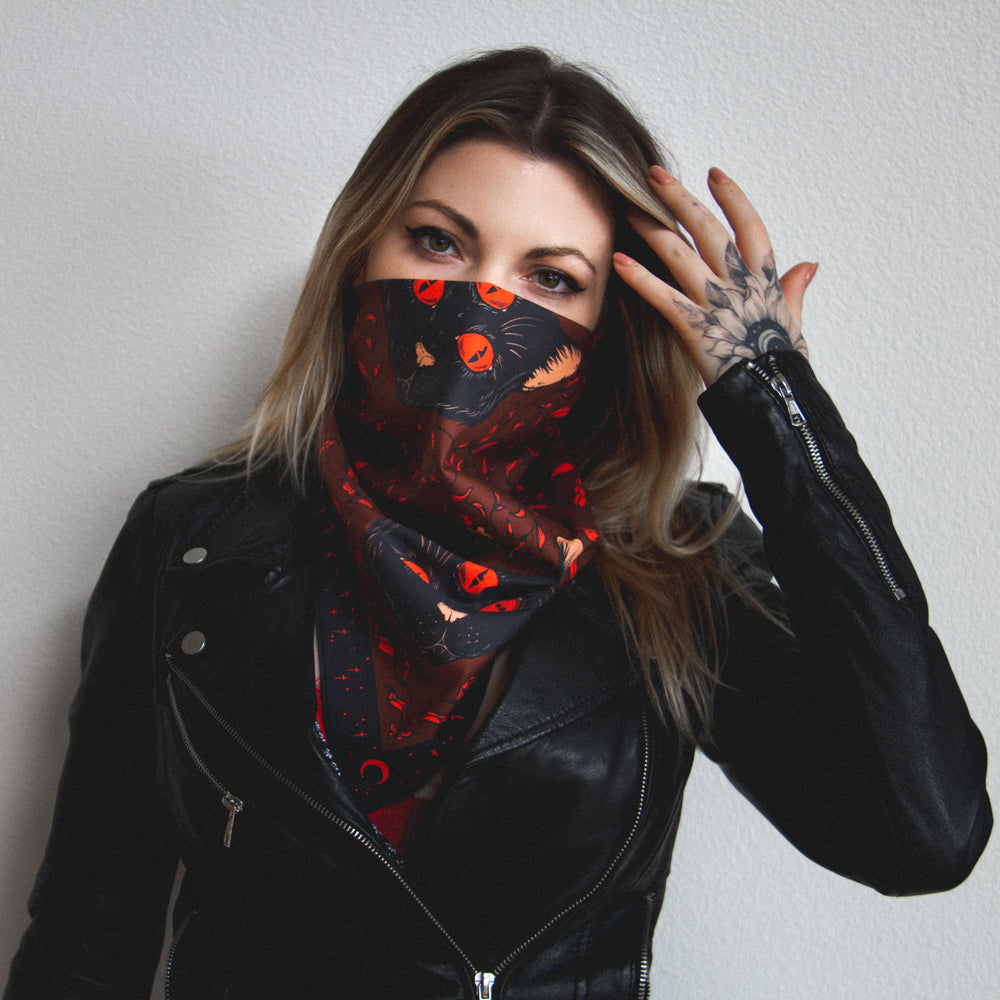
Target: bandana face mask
(459, 349)
(459, 509)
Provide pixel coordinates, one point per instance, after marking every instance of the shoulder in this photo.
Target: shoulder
(735, 537)
(711, 507)
(707, 503)
(209, 500)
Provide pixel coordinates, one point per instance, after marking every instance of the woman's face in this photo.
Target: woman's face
(481, 211)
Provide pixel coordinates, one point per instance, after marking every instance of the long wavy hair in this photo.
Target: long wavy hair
(635, 430)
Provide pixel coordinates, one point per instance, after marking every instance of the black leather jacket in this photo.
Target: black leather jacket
(540, 869)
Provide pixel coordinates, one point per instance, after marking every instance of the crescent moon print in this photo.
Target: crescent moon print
(379, 765)
(453, 498)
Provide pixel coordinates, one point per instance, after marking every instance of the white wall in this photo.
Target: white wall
(165, 168)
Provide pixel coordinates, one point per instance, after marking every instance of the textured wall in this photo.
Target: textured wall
(164, 171)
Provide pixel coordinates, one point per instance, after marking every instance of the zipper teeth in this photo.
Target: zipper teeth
(812, 446)
(168, 968)
(606, 874)
(169, 964)
(365, 842)
(327, 814)
(827, 481)
(642, 993)
(188, 744)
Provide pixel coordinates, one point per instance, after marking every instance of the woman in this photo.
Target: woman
(411, 678)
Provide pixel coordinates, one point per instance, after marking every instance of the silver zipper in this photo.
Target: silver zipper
(779, 386)
(317, 806)
(645, 957)
(484, 981)
(231, 803)
(606, 874)
(169, 965)
(484, 985)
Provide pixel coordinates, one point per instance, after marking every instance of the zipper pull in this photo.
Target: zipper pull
(484, 985)
(233, 805)
(784, 390)
(778, 384)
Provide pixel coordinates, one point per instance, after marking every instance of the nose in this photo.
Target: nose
(495, 271)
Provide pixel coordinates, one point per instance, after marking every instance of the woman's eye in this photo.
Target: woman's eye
(556, 281)
(434, 240)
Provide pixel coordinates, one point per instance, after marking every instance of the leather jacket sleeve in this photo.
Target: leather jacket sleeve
(850, 735)
(848, 730)
(99, 903)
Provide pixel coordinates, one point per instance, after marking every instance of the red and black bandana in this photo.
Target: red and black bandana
(454, 505)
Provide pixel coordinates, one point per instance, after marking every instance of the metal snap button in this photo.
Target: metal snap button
(192, 643)
(194, 556)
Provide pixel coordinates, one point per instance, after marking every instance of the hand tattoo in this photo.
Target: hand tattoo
(746, 317)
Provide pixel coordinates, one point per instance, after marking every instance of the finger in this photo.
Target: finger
(671, 304)
(682, 260)
(710, 236)
(751, 236)
(793, 286)
(664, 299)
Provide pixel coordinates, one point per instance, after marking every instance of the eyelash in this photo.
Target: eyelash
(572, 286)
(421, 235)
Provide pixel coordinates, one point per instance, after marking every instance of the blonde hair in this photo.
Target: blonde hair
(635, 430)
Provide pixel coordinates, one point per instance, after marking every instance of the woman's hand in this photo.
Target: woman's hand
(731, 304)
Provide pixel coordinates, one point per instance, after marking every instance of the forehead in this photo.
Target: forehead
(487, 179)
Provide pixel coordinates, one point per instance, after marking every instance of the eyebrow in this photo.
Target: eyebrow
(460, 220)
(542, 252)
(539, 253)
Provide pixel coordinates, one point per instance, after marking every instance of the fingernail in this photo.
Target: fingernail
(716, 176)
(658, 174)
(812, 272)
(621, 259)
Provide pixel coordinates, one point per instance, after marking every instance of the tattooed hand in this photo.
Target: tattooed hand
(731, 304)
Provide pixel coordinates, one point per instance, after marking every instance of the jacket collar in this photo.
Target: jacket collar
(238, 570)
